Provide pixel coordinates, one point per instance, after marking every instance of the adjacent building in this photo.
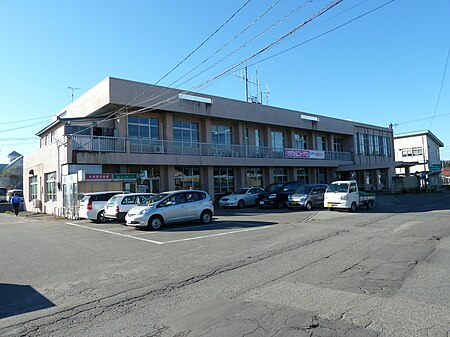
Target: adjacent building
(420, 149)
(125, 135)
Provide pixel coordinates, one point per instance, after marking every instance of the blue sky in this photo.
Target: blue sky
(386, 67)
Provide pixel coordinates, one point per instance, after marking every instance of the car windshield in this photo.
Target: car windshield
(112, 200)
(304, 189)
(156, 198)
(338, 187)
(241, 191)
(145, 199)
(274, 188)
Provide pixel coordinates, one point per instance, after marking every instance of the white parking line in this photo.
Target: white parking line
(171, 241)
(115, 233)
(218, 234)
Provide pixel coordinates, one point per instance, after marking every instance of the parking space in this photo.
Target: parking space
(221, 226)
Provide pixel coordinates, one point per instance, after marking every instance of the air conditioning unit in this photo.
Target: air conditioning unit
(36, 203)
(235, 154)
(159, 149)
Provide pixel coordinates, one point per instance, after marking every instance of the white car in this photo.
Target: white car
(241, 197)
(118, 206)
(169, 207)
(92, 205)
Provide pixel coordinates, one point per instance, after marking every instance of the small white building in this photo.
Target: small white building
(420, 148)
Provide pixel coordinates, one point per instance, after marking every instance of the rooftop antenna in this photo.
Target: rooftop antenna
(266, 94)
(73, 89)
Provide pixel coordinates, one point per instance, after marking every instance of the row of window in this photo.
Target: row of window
(188, 134)
(373, 145)
(412, 152)
(50, 187)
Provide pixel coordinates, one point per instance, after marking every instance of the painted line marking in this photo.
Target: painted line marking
(218, 234)
(171, 241)
(115, 233)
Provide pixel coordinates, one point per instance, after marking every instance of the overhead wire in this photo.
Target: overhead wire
(231, 68)
(179, 63)
(322, 34)
(440, 89)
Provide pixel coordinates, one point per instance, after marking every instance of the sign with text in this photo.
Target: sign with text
(303, 154)
(124, 176)
(98, 177)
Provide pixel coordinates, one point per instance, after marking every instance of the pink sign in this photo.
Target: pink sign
(303, 154)
(98, 176)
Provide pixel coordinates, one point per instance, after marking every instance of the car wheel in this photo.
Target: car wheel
(241, 204)
(369, 205)
(308, 206)
(155, 223)
(206, 217)
(101, 217)
(279, 204)
(331, 209)
(353, 208)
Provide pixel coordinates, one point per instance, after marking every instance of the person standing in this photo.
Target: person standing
(15, 201)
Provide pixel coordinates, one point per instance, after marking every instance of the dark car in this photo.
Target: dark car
(276, 194)
(307, 196)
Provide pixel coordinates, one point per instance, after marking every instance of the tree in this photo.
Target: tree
(12, 178)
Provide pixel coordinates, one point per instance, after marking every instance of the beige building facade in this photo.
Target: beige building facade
(125, 135)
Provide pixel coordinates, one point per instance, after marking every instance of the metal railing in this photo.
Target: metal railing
(149, 146)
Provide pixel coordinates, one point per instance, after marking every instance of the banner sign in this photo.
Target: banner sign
(124, 176)
(98, 177)
(303, 154)
(110, 177)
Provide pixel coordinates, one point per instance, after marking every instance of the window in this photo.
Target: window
(143, 127)
(221, 134)
(360, 143)
(279, 175)
(417, 151)
(50, 186)
(254, 176)
(223, 180)
(387, 146)
(380, 140)
(300, 141)
(376, 145)
(186, 133)
(338, 145)
(78, 129)
(187, 177)
(321, 143)
(302, 175)
(33, 187)
(277, 140)
(321, 175)
(245, 136)
(258, 138)
(370, 149)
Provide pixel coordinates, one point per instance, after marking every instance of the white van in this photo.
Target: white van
(118, 206)
(92, 205)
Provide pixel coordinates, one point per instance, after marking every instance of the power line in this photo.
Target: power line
(26, 120)
(322, 34)
(25, 126)
(177, 65)
(442, 84)
(234, 51)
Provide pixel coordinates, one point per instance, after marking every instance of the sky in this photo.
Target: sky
(358, 60)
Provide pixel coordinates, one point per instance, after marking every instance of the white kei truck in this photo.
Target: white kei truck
(344, 194)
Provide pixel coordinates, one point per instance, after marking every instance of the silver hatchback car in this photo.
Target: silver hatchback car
(170, 207)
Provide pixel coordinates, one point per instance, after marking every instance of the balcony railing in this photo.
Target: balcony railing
(148, 146)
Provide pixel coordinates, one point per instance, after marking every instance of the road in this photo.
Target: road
(251, 272)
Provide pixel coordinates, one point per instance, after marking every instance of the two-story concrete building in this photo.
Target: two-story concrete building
(125, 135)
(421, 150)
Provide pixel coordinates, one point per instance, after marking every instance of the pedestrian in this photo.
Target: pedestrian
(15, 201)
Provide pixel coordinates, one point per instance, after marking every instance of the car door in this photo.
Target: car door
(252, 194)
(174, 208)
(194, 204)
(315, 197)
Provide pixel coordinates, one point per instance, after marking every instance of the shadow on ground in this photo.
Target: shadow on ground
(19, 299)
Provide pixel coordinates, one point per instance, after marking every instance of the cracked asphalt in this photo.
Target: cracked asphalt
(251, 272)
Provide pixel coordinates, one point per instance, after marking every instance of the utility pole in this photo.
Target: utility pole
(246, 83)
(73, 89)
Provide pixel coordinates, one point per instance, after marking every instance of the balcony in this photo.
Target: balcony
(165, 147)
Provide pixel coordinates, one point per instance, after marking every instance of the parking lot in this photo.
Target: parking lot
(374, 272)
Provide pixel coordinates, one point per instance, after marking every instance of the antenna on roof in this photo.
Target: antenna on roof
(73, 89)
